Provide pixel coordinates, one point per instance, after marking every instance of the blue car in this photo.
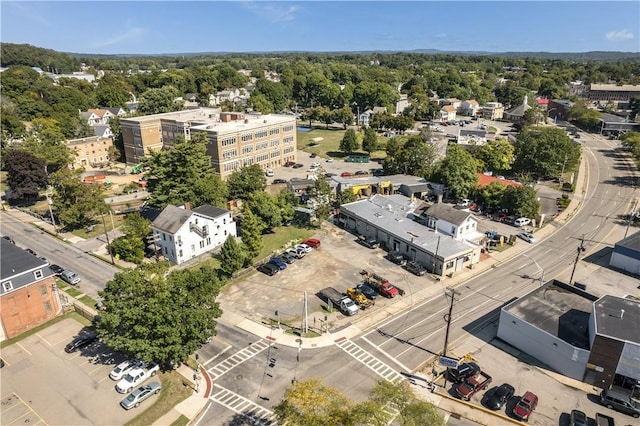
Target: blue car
(278, 262)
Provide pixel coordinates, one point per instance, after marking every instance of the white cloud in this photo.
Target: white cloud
(131, 35)
(619, 35)
(273, 12)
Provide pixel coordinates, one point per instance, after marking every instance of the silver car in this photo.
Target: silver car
(137, 396)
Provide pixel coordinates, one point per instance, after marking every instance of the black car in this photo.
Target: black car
(415, 268)
(578, 418)
(275, 181)
(80, 342)
(463, 371)
(368, 242)
(31, 252)
(397, 258)
(314, 155)
(269, 269)
(288, 257)
(297, 165)
(56, 269)
(362, 172)
(368, 291)
(8, 238)
(500, 396)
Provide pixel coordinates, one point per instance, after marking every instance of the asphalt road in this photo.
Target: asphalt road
(414, 337)
(93, 272)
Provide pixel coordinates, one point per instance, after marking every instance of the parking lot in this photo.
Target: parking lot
(557, 394)
(42, 384)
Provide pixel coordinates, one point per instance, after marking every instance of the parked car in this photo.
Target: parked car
(500, 396)
(31, 252)
(123, 368)
(289, 163)
(346, 174)
(578, 418)
(522, 221)
(312, 169)
(527, 236)
(142, 393)
(288, 257)
(269, 173)
(8, 238)
(396, 257)
(269, 269)
(312, 242)
(70, 277)
(415, 268)
(56, 269)
(330, 160)
(361, 172)
(619, 399)
(313, 155)
(465, 370)
(135, 377)
(81, 342)
(315, 164)
(298, 254)
(306, 248)
(368, 291)
(298, 166)
(526, 405)
(368, 242)
(276, 181)
(281, 264)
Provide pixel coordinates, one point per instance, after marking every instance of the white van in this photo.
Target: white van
(522, 221)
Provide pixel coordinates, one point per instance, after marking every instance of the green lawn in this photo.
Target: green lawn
(99, 228)
(329, 146)
(282, 236)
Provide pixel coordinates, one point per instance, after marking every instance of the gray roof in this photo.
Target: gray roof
(210, 211)
(448, 213)
(618, 318)
(390, 213)
(15, 261)
(631, 242)
(612, 118)
(171, 219)
(519, 110)
(559, 309)
(473, 132)
(101, 129)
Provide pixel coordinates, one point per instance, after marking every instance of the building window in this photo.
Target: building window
(275, 142)
(453, 229)
(449, 264)
(247, 137)
(247, 149)
(261, 134)
(262, 145)
(164, 237)
(287, 129)
(208, 241)
(228, 140)
(43, 290)
(180, 253)
(38, 274)
(47, 307)
(7, 286)
(275, 131)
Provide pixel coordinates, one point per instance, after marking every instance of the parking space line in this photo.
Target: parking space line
(23, 348)
(43, 339)
(96, 369)
(28, 408)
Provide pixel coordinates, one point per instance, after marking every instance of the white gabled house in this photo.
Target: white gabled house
(182, 234)
(460, 224)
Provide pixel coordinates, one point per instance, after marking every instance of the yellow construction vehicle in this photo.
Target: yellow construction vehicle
(360, 299)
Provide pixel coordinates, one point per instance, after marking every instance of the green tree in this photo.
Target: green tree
(75, 201)
(544, 151)
(521, 201)
(158, 317)
(287, 201)
(370, 141)
(458, 172)
(46, 141)
(417, 157)
(349, 142)
(343, 116)
(245, 181)
(412, 411)
(184, 174)
(128, 249)
(347, 196)
(232, 257)
(251, 229)
(311, 403)
(26, 174)
(322, 195)
(496, 156)
(136, 226)
(492, 195)
(266, 208)
(156, 101)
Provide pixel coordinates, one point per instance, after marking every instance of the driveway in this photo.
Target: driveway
(42, 384)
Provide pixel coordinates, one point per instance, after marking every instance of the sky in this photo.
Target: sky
(155, 27)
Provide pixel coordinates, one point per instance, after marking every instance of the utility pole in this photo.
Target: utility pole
(451, 293)
(49, 203)
(581, 250)
(631, 216)
(107, 235)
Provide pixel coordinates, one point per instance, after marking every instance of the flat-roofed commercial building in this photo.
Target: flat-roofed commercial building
(613, 92)
(235, 139)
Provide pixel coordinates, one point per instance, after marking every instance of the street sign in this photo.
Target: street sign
(445, 361)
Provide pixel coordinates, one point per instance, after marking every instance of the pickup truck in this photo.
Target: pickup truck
(341, 301)
(380, 284)
(136, 377)
(472, 385)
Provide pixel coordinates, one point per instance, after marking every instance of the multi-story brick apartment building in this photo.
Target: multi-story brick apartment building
(613, 92)
(235, 139)
(91, 152)
(28, 296)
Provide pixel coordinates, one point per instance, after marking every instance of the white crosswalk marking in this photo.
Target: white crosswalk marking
(238, 358)
(374, 364)
(255, 414)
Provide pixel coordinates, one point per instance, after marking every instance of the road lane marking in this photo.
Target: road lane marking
(370, 361)
(24, 349)
(256, 414)
(238, 358)
(388, 355)
(217, 355)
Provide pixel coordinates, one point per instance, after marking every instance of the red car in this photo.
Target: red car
(312, 242)
(525, 406)
(346, 174)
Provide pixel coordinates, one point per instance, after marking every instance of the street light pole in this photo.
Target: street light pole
(107, 235)
(452, 293)
(539, 268)
(581, 249)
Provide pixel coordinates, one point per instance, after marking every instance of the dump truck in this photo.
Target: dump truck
(380, 284)
(360, 299)
(339, 300)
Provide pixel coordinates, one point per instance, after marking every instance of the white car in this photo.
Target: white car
(315, 165)
(298, 253)
(330, 160)
(522, 221)
(304, 247)
(312, 169)
(135, 377)
(269, 173)
(123, 368)
(528, 237)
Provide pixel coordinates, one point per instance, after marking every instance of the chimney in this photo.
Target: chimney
(187, 205)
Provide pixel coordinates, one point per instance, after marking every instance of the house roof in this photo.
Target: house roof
(210, 211)
(484, 180)
(472, 102)
(101, 130)
(519, 110)
(448, 213)
(542, 101)
(15, 261)
(99, 112)
(448, 108)
(473, 132)
(632, 242)
(618, 317)
(115, 111)
(379, 110)
(171, 219)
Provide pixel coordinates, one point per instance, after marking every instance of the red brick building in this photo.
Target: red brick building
(28, 296)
